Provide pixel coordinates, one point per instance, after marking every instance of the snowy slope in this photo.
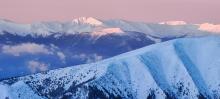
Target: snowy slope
(183, 68)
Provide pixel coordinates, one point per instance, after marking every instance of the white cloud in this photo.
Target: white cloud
(35, 66)
(89, 58)
(30, 48)
(94, 58)
(81, 56)
(61, 56)
(53, 47)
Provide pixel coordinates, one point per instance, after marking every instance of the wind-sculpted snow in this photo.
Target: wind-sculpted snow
(180, 69)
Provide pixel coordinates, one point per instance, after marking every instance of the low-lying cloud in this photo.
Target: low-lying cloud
(29, 48)
(89, 58)
(61, 56)
(94, 58)
(35, 66)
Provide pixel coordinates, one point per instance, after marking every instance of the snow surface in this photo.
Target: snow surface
(183, 68)
(4, 92)
(16, 91)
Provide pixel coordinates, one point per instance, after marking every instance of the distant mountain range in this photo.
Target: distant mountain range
(184, 68)
(93, 25)
(32, 48)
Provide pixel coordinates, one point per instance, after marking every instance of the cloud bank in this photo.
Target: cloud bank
(210, 27)
(29, 48)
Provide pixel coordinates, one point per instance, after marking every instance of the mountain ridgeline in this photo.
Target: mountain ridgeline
(182, 68)
(43, 46)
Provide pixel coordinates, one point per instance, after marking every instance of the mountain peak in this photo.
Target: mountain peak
(87, 20)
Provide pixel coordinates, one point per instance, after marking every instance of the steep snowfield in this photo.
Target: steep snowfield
(183, 68)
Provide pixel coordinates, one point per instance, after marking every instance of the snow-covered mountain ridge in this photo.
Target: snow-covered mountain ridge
(92, 25)
(87, 20)
(182, 68)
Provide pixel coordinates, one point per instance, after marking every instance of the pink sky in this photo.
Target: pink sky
(193, 11)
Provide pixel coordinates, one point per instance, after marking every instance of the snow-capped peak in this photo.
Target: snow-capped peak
(210, 27)
(174, 23)
(87, 20)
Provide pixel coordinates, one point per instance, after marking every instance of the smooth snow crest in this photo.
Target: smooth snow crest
(87, 20)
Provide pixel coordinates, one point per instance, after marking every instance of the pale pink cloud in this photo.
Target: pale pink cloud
(210, 27)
